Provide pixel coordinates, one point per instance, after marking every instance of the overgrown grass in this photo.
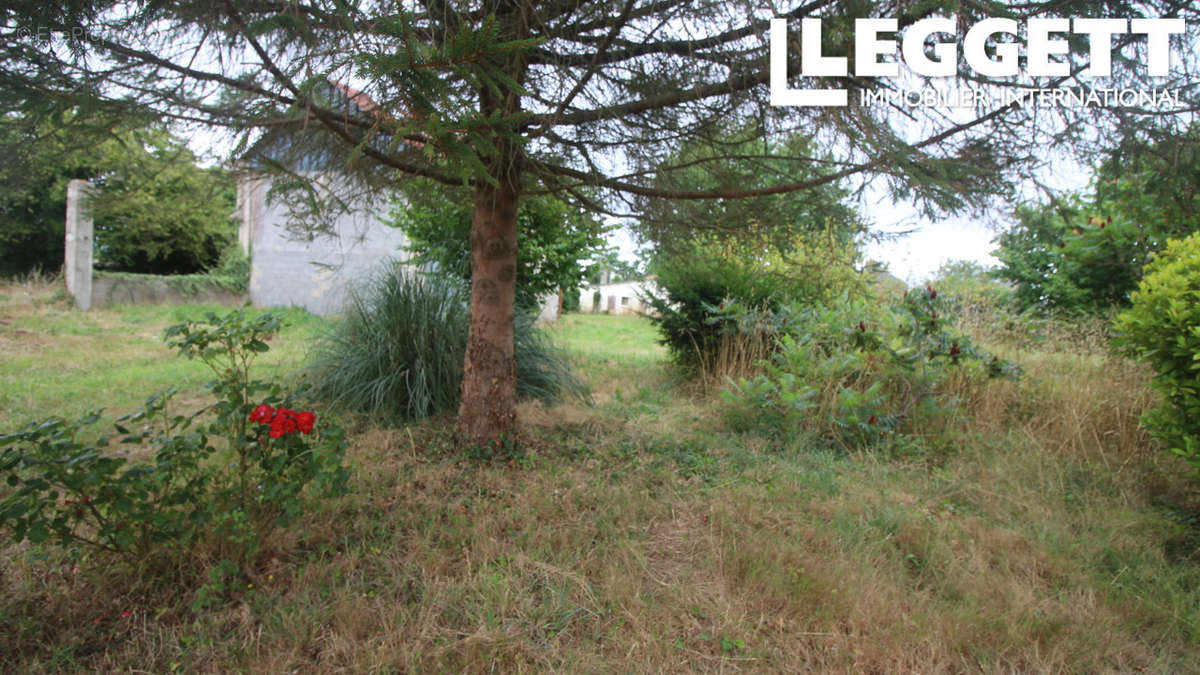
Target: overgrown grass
(59, 361)
(1043, 534)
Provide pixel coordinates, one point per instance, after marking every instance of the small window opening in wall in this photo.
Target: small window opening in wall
(624, 301)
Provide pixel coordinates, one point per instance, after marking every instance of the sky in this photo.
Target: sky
(915, 257)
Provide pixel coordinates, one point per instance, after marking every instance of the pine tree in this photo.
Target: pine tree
(585, 100)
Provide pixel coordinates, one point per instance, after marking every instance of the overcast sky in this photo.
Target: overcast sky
(915, 257)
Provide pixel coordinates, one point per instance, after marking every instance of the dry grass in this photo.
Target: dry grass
(1070, 404)
(637, 536)
(738, 355)
(996, 324)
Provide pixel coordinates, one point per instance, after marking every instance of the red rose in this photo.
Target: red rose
(305, 420)
(262, 413)
(282, 425)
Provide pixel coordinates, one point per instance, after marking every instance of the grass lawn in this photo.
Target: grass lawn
(635, 534)
(55, 360)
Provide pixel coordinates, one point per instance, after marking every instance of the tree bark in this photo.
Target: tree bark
(487, 413)
(489, 387)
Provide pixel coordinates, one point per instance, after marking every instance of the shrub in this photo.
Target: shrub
(1080, 254)
(398, 354)
(1162, 327)
(218, 475)
(233, 268)
(689, 288)
(697, 287)
(972, 290)
(857, 373)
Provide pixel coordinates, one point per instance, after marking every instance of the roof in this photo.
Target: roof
(361, 100)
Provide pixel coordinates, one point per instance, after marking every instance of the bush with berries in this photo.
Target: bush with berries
(858, 373)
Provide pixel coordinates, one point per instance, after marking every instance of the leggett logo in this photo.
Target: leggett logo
(1040, 48)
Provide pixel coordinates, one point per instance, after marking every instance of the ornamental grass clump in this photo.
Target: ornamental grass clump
(398, 353)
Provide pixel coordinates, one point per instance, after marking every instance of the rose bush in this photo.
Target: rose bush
(225, 474)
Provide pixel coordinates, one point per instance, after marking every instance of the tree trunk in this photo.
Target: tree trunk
(488, 411)
(489, 386)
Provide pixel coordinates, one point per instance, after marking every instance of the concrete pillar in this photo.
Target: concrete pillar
(78, 267)
(242, 214)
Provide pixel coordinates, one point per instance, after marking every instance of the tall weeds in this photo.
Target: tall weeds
(739, 350)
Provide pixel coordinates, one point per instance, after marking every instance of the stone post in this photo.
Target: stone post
(78, 265)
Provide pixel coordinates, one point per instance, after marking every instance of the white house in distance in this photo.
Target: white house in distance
(621, 297)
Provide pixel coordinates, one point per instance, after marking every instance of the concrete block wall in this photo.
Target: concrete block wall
(315, 272)
(318, 272)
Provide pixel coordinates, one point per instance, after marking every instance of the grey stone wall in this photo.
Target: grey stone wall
(155, 290)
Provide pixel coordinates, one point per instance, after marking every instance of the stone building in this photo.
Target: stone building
(290, 267)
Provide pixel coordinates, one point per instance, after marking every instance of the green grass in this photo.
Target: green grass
(618, 342)
(58, 361)
(638, 535)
